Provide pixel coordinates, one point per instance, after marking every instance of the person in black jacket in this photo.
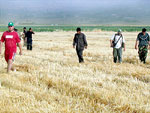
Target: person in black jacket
(29, 39)
(80, 42)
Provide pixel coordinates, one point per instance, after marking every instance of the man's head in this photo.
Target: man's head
(10, 26)
(30, 29)
(78, 30)
(144, 31)
(24, 28)
(119, 31)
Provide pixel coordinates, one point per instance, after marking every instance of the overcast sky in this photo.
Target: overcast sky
(22, 8)
(67, 3)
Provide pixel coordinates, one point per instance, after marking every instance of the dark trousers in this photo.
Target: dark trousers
(80, 55)
(29, 45)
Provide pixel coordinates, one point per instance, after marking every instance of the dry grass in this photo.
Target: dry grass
(50, 79)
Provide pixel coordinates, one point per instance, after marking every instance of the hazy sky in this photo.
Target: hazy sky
(60, 4)
(46, 8)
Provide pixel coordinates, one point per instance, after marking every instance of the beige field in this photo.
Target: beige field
(49, 79)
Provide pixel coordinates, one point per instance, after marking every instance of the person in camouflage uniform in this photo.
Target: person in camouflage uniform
(142, 43)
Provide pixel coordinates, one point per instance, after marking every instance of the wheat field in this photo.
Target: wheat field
(49, 79)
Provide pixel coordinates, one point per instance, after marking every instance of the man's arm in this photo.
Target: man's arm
(149, 44)
(111, 40)
(148, 41)
(85, 42)
(74, 41)
(20, 47)
(1, 44)
(124, 46)
(124, 43)
(137, 42)
(111, 43)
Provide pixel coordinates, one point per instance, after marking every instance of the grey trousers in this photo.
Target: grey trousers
(117, 54)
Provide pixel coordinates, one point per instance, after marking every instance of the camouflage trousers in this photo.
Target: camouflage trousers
(143, 50)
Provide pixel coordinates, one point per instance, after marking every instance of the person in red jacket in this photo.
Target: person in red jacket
(11, 39)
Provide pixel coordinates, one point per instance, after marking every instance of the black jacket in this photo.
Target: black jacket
(29, 36)
(80, 41)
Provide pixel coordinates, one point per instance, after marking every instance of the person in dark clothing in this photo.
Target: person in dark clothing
(25, 36)
(80, 42)
(142, 43)
(29, 39)
(24, 30)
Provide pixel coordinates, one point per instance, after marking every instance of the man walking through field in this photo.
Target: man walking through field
(80, 42)
(117, 42)
(142, 42)
(25, 36)
(29, 39)
(11, 40)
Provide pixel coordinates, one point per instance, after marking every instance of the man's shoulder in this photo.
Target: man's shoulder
(5, 32)
(28, 31)
(147, 34)
(15, 33)
(140, 33)
(75, 34)
(115, 35)
(82, 34)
